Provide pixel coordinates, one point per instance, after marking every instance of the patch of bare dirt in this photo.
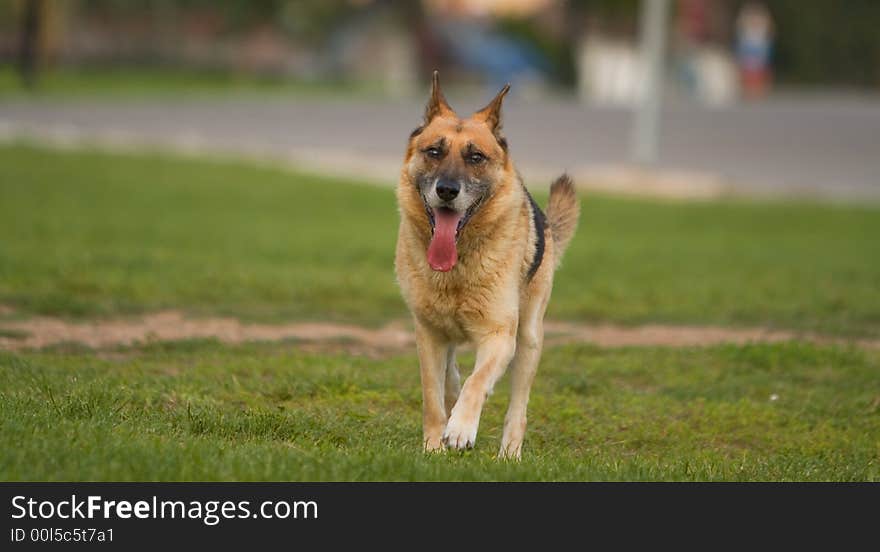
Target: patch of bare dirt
(36, 333)
(659, 335)
(174, 326)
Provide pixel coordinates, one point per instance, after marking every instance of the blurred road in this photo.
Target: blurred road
(828, 147)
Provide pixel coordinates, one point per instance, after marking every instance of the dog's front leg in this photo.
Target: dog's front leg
(493, 355)
(432, 366)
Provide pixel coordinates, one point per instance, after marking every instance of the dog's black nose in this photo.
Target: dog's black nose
(447, 190)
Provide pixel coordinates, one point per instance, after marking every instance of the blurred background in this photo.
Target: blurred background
(670, 97)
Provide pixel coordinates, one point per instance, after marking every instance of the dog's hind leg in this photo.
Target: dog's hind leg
(453, 379)
(530, 339)
(432, 367)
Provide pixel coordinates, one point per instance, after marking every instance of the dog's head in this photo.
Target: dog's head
(455, 163)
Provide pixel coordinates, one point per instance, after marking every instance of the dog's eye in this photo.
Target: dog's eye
(475, 158)
(433, 153)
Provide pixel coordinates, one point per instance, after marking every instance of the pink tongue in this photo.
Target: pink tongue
(442, 254)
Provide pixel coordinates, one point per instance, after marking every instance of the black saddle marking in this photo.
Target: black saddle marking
(540, 221)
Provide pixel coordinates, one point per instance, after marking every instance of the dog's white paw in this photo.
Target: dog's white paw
(461, 432)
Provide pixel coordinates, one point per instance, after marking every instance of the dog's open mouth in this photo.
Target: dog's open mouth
(446, 225)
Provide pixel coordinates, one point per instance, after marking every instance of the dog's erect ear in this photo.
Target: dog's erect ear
(436, 103)
(491, 114)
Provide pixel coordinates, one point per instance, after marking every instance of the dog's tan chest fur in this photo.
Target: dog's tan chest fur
(479, 293)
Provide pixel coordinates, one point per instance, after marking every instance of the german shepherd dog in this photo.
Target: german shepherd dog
(475, 261)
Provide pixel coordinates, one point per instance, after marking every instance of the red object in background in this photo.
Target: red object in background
(756, 81)
(693, 20)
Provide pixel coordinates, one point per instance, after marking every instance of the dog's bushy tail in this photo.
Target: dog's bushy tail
(563, 211)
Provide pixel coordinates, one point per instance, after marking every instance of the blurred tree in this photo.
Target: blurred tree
(556, 48)
(826, 42)
(305, 18)
(28, 57)
(607, 13)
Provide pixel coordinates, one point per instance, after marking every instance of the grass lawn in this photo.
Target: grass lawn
(133, 83)
(88, 234)
(202, 411)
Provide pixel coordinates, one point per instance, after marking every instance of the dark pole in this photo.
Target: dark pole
(30, 37)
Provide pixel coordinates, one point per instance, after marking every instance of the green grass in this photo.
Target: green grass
(202, 411)
(90, 234)
(134, 83)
